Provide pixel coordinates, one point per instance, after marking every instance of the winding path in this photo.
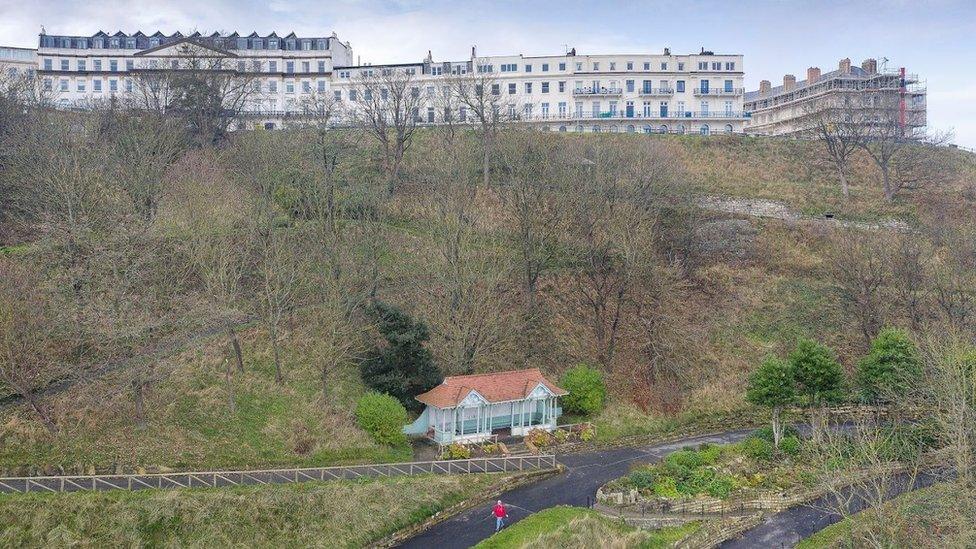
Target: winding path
(585, 473)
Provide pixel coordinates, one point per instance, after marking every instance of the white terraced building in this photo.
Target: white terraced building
(692, 93)
(15, 62)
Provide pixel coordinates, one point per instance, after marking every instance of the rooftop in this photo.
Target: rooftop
(494, 387)
(140, 40)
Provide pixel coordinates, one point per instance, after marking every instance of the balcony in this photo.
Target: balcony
(598, 92)
(647, 92)
(719, 92)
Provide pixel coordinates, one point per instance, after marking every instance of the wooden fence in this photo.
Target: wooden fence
(213, 479)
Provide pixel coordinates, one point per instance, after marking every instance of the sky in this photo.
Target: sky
(934, 38)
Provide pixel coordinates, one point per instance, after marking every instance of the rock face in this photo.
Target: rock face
(727, 238)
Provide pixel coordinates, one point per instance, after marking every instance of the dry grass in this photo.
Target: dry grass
(328, 514)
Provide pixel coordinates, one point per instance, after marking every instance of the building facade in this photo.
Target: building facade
(793, 108)
(15, 62)
(691, 93)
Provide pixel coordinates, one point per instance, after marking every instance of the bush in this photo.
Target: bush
(665, 487)
(587, 391)
(710, 453)
(720, 487)
(890, 369)
(684, 460)
(757, 448)
(456, 451)
(587, 433)
(383, 417)
(539, 438)
(696, 482)
(766, 433)
(561, 435)
(642, 479)
(790, 445)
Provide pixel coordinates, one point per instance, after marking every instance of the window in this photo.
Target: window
(113, 85)
(630, 86)
(527, 111)
(562, 66)
(176, 64)
(130, 43)
(728, 86)
(463, 111)
(321, 66)
(508, 67)
(647, 109)
(704, 129)
(321, 86)
(273, 44)
(64, 84)
(436, 71)
(562, 128)
(80, 85)
(240, 66)
(665, 85)
(47, 84)
(704, 108)
(647, 66)
(273, 86)
(153, 42)
(613, 65)
(681, 108)
(562, 87)
(613, 108)
(113, 65)
(716, 66)
(48, 64)
(290, 67)
(630, 65)
(352, 95)
(680, 85)
(703, 65)
(681, 66)
(728, 128)
(113, 43)
(664, 65)
(511, 89)
(704, 86)
(321, 44)
(306, 67)
(545, 110)
(64, 65)
(562, 109)
(97, 86)
(728, 108)
(528, 68)
(81, 65)
(272, 66)
(596, 65)
(545, 67)
(579, 109)
(129, 64)
(495, 89)
(528, 87)
(579, 66)
(97, 65)
(730, 66)
(306, 45)
(128, 85)
(430, 114)
(545, 87)
(596, 109)
(289, 87)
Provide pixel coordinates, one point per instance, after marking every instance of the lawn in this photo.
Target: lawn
(321, 514)
(942, 515)
(581, 528)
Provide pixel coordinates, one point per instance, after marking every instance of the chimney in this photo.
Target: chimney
(667, 51)
(474, 52)
(789, 82)
(813, 74)
(870, 66)
(765, 87)
(845, 65)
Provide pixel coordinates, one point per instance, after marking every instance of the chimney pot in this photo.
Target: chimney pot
(870, 66)
(845, 65)
(765, 86)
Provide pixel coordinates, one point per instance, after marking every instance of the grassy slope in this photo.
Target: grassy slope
(581, 528)
(929, 517)
(328, 514)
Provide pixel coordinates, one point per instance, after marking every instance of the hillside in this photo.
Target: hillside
(674, 303)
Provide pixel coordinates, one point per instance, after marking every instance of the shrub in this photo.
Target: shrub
(790, 445)
(383, 417)
(710, 453)
(539, 438)
(684, 460)
(586, 390)
(587, 433)
(665, 487)
(720, 487)
(766, 433)
(456, 451)
(561, 435)
(890, 369)
(696, 482)
(757, 448)
(642, 479)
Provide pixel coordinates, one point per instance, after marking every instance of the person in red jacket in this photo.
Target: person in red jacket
(500, 515)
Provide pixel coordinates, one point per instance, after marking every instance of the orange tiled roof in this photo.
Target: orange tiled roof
(496, 387)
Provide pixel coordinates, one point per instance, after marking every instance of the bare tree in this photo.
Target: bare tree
(950, 363)
(29, 353)
(860, 271)
(836, 123)
(478, 93)
(387, 107)
(954, 277)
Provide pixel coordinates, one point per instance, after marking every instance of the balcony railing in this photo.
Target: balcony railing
(656, 91)
(717, 92)
(597, 91)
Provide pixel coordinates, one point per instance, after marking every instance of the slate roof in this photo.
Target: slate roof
(494, 387)
(855, 72)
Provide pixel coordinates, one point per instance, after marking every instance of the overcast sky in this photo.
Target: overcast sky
(934, 38)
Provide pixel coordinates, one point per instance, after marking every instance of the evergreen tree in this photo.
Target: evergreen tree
(819, 379)
(403, 367)
(773, 385)
(890, 369)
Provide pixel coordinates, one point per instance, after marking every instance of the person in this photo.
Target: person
(500, 515)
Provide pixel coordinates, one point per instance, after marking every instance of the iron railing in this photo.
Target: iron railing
(217, 479)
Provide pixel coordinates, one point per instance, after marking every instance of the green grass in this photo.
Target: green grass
(582, 528)
(941, 515)
(322, 514)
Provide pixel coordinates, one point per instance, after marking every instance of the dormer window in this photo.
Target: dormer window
(99, 44)
(130, 43)
(257, 44)
(242, 43)
(219, 42)
(114, 43)
(306, 45)
(323, 44)
(153, 42)
(273, 43)
(290, 45)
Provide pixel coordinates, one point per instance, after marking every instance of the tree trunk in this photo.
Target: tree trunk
(843, 182)
(889, 192)
(279, 379)
(228, 373)
(777, 427)
(237, 349)
(138, 394)
(484, 161)
(41, 412)
(817, 415)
